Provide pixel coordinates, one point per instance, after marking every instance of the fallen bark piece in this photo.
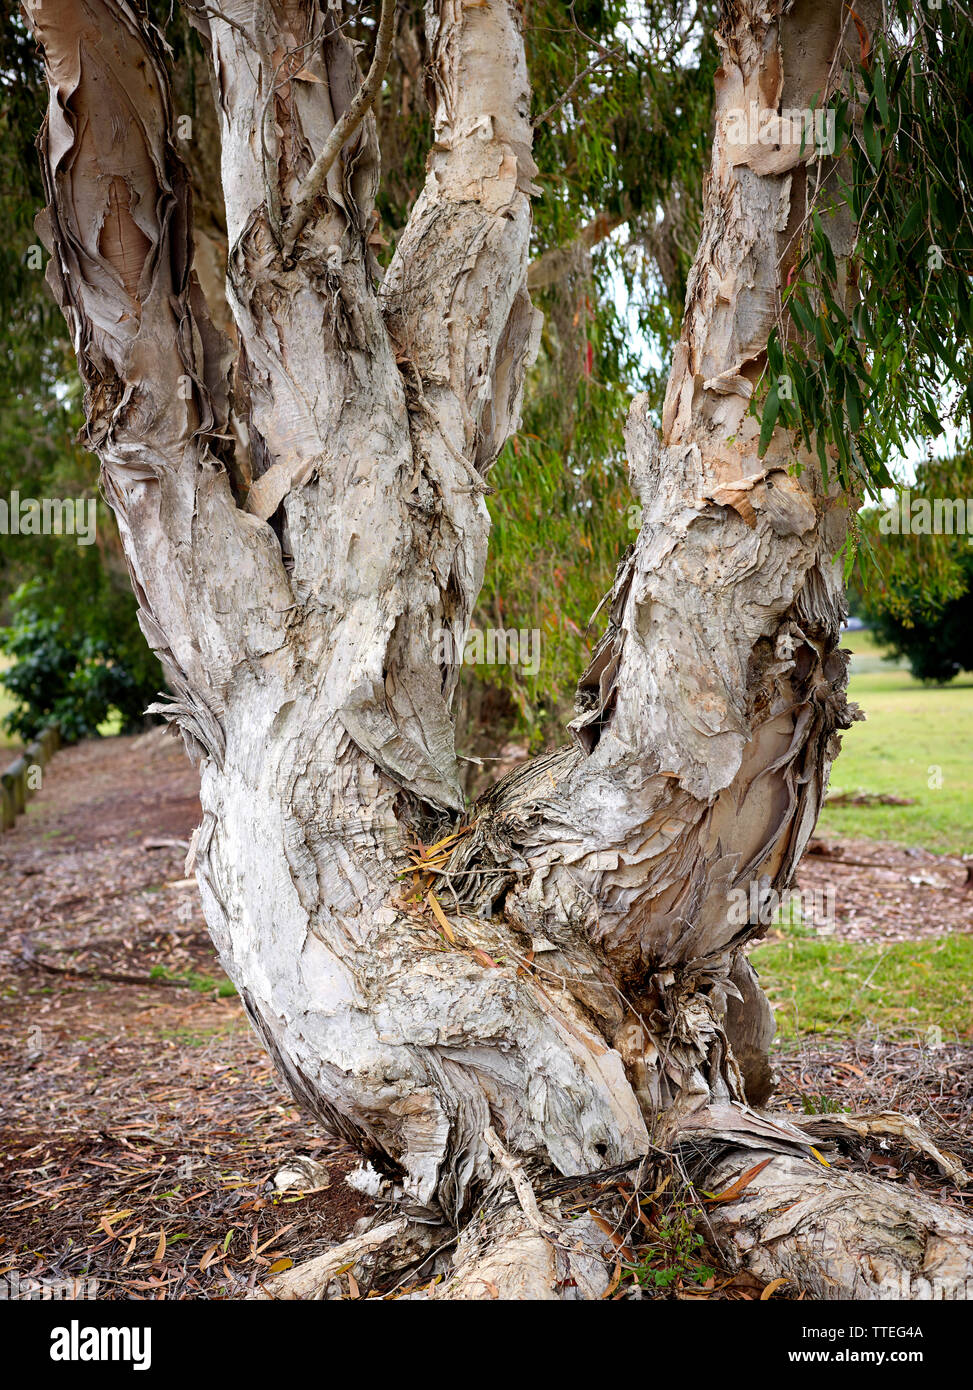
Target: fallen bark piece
(888, 1122)
(302, 1173)
(311, 1279)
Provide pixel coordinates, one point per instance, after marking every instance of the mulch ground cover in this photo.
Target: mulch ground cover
(141, 1126)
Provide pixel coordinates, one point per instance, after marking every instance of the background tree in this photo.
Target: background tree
(915, 587)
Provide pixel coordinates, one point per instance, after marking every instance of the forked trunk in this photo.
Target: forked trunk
(567, 969)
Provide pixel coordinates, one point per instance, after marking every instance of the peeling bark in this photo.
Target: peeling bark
(592, 990)
(842, 1235)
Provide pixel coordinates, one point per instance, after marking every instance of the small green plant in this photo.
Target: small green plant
(674, 1250)
(822, 1105)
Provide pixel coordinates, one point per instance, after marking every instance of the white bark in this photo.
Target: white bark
(840, 1235)
(301, 632)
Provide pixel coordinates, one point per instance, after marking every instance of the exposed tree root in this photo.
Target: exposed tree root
(770, 1210)
(530, 1254)
(841, 1235)
(507, 1258)
(884, 1123)
(311, 1280)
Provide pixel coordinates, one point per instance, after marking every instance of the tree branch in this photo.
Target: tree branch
(604, 57)
(117, 224)
(346, 126)
(454, 295)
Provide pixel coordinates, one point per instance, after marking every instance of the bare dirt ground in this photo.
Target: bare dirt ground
(140, 1124)
(888, 892)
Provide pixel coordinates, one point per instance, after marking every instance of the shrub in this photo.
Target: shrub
(78, 670)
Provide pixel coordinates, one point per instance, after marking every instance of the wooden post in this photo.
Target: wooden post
(15, 780)
(14, 783)
(34, 756)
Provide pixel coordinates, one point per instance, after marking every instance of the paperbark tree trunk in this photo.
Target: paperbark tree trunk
(578, 984)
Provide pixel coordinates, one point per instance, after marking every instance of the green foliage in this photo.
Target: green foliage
(39, 457)
(76, 664)
(631, 140)
(940, 646)
(38, 339)
(917, 588)
(78, 652)
(874, 346)
(560, 517)
(674, 1249)
(822, 1105)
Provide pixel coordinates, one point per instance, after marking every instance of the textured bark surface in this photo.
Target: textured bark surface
(843, 1235)
(591, 989)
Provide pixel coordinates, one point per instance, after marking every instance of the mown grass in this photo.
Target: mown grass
(827, 986)
(916, 742)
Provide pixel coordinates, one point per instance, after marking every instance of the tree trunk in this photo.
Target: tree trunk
(567, 971)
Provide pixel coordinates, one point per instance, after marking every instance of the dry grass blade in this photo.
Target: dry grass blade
(441, 917)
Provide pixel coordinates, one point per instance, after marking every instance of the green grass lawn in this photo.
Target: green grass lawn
(821, 986)
(913, 735)
(825, 986)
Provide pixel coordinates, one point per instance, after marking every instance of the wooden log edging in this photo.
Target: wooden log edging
(16, 780)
